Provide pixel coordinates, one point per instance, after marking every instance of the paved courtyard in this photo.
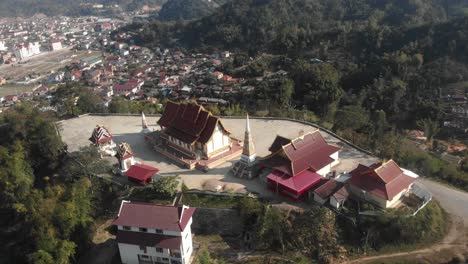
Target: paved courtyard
(75, 132)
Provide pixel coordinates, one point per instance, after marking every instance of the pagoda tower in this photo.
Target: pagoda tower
(144, 125)
(244, 167)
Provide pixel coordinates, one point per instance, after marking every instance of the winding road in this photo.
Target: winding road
(455, 202)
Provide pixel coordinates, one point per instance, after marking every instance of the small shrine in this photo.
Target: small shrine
(102, 139)
(125, 156)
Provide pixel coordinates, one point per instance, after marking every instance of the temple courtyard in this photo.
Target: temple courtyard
(76, 132)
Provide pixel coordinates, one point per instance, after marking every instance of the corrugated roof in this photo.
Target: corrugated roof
(328, 188)
(145, 215)
(141, 172)
(299, 183)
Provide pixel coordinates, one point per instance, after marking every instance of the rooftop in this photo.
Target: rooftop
(145, 215)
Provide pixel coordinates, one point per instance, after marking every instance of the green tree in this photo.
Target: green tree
(317, 84)
(166, 186)
(352, 117)
(42, 257)
(430, 128)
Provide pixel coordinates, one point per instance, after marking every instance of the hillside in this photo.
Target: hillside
(261, 22)
(282, 25)
(188, 9)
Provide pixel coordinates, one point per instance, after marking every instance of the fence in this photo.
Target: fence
(423, 194)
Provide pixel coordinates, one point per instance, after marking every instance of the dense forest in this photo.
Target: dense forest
(49, 200)
(188, 9)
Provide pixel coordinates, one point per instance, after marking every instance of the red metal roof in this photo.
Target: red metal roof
(189, 122)
(297, 184)
(146, 215)
(141, 172)
(149, 239)
(384, 180)
(310, 151)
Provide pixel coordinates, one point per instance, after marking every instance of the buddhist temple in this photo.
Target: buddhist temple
(244, 167)
(296, 165)
(193, 137)
(102, 139)
(125, 156)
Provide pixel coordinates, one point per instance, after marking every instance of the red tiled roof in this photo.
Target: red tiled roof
(310, 151)
(383, 180)
(141, 172)
(297, 184)
(153, 216)
(189, 122)
(149, 239)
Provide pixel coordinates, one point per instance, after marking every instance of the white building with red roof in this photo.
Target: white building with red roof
(148, 233)
(299, 164)
(381, 184)
(26, 50)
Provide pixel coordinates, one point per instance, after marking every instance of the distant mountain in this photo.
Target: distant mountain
(260, 22)
(302, 26)
(188, 9)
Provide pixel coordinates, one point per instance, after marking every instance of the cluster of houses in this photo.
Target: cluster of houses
(297, 169)
(20, 40)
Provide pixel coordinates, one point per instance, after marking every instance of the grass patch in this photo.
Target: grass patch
(148, 195)
(212, 201)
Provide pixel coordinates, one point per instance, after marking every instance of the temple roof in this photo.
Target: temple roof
(189, 122)
(384, 180)
(309, 151)
(100, 135)
(124, 151)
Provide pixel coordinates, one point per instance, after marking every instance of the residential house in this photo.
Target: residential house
(26, 50)
(148, 233)
(382, 184)
(55, 45)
